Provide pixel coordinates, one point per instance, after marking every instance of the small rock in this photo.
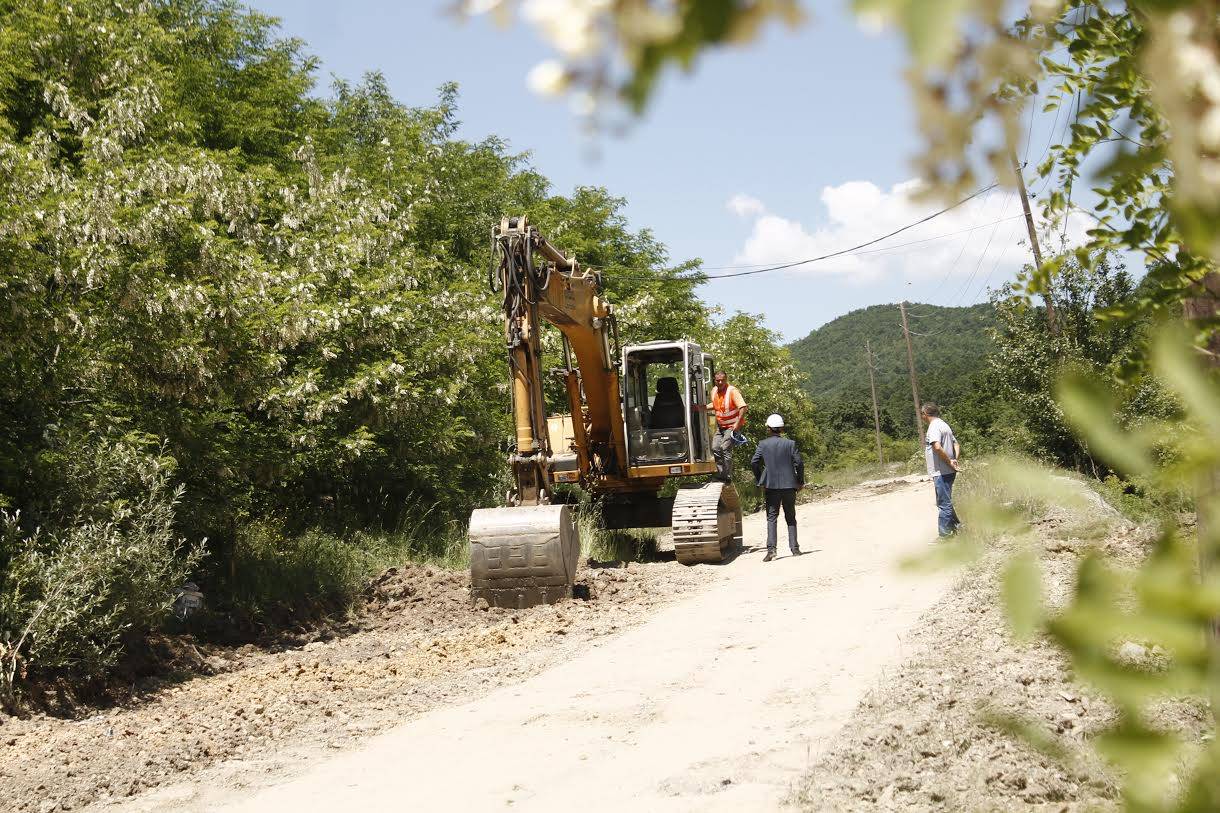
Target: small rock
(1131, 651)
(313, 646)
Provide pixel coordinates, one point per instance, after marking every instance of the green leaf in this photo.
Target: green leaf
(1177, 360)
(1022, 591)
(1091, 408)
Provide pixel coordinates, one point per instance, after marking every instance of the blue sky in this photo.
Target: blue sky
(796, 146)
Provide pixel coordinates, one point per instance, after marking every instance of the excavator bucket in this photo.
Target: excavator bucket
(706, 523)
(524, 555)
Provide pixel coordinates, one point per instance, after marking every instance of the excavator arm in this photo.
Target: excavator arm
(539, 283)
(526, 553)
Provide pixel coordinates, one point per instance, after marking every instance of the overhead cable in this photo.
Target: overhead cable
(852, 249)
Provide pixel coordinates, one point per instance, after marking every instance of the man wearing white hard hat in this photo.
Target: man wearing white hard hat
(780, 472)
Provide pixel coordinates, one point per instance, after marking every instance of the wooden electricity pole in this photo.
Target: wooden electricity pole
(1051, 321)
(906, 334)
(872, 385)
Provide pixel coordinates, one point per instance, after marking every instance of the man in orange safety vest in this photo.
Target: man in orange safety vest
(730, 409)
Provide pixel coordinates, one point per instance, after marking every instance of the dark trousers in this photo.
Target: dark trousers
(775, 499)
(947, 520)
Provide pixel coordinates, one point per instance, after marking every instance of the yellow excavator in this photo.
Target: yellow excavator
(638, 416)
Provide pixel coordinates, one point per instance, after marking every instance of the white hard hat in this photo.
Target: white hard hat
(774, 421)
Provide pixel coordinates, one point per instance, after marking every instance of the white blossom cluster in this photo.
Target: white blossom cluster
(303, 292)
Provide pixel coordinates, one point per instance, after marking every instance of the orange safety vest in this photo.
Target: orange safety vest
(728, 406)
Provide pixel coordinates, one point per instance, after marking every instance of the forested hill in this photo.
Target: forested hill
(951, 345)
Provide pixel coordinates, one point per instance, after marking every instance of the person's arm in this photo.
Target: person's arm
(800, 466)
(957, 450)
(742, 406)
(939, 451)
(756, 462)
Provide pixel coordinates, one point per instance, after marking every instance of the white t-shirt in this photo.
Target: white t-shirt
(938, 432)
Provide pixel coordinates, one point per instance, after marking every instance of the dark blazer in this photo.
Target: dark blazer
(777, 463)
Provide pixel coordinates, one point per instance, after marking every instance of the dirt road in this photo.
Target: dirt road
(719, 702)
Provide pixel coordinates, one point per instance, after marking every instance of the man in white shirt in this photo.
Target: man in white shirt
(940, 450)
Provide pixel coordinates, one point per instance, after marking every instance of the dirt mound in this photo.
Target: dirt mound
(414, 643)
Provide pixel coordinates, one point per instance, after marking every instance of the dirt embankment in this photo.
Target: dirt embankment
(416, 643)
(919, 741)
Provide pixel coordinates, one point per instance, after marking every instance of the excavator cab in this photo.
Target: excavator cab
(665, 394)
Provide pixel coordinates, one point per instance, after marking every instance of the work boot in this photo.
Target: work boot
(796, 551)
(770, 555)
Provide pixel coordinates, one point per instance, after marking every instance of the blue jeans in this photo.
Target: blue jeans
(947, 522)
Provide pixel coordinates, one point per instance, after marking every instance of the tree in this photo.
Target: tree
(1029, 360)
(285, 296)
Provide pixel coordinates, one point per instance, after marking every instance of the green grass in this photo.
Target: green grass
(596, 542)
(277, 576)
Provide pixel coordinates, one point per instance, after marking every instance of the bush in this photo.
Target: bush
(68, 595)
(277, 574)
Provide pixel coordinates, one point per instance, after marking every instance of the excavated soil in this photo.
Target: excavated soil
(416, 643)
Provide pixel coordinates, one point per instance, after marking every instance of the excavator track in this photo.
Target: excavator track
(706, 523)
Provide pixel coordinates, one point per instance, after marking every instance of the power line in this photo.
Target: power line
(883, 250)
(841, 252)
(994, 266)
(949, 272)
(982, 257)
(938, 237)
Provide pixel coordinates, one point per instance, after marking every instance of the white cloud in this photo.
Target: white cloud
(980, 240)
(745, 206)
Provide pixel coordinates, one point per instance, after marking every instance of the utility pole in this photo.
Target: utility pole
(872, 385)
(906, 334)
(1051, 320)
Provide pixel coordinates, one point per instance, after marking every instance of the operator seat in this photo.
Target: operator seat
(668, 411)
